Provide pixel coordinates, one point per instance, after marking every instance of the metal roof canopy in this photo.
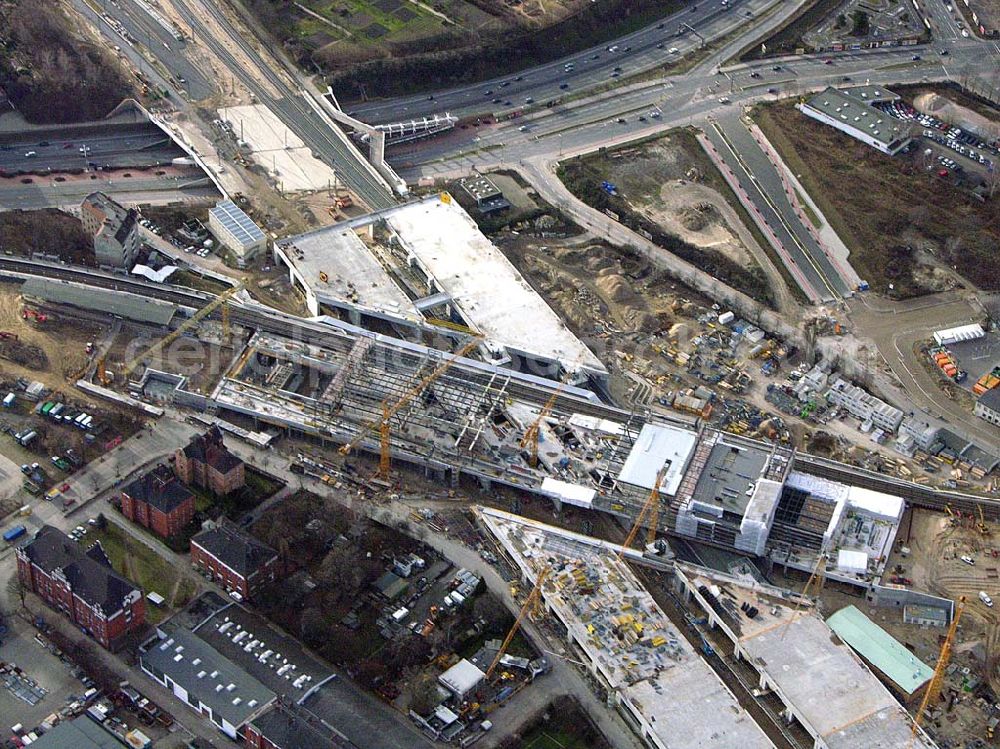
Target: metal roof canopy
(880, 649)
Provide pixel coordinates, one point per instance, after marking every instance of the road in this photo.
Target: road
(134, 148)
(634, 53)
(43, 192)
(275, 89)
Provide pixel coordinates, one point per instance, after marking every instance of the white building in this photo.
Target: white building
(956, 335)
(864, 405)
(850, 111)
(988, 406)
(236, 231)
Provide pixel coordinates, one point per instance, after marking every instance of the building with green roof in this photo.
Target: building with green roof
(887, 656)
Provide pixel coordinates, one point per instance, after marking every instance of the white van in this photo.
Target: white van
(985, 599)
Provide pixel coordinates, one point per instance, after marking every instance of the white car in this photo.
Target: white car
(968, 560)
(985, 599)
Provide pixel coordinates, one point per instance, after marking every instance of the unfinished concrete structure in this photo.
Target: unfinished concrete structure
(717, 488)
(821, 683)
(425, 267)
(655, 678)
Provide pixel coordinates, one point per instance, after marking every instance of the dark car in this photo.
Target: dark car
(564, 86)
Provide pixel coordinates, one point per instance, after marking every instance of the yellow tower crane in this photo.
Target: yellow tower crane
(529, 603)
(197, 317)
(934, 687)
(815, 579)
(530, 438)
(384, 425)
(650, 513)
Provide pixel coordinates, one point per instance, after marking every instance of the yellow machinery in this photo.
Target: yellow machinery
(815, 580)
(384, 425)
(934, 687)
(951, 514)
(984, 529)
(530, 438)
(529, 603)
(650, 513)
(197, 317)
(102, 373)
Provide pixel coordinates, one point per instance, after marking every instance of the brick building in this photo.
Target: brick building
(205, 462)
(82, 585)
(159, 502)
(114, 229)
(290, 727)
(235, 559)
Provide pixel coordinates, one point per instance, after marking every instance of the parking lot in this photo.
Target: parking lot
(951, 148)
(52, 677)
(977, 357)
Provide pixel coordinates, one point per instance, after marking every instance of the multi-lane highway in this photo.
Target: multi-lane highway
(277, 89)
(601, 65)
(133, 147)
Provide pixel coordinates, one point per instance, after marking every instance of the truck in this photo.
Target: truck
(8, 400)
(14, 533)
(26, 439)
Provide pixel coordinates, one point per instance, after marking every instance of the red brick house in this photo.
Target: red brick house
(159, 502)
(208, 464)
(82, 585)
(234, 559)
(288, 727)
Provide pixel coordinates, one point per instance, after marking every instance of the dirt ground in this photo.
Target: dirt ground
(905, 227)
(63, 341)
(934, 564)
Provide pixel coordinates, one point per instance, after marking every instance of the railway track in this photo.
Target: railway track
(310, 332)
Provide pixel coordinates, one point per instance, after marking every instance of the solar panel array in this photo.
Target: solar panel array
(237, 223)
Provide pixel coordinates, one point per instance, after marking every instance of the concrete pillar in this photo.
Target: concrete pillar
(376, 149)
(485, 483)
(354, 316)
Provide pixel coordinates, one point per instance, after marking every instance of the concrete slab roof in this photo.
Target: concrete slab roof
(434, 248)
(853, 107)
(339, 266)
(659, 446)
(830, 690)
(627, 638)
(488, 290)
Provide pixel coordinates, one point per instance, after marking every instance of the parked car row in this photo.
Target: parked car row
(949, 136)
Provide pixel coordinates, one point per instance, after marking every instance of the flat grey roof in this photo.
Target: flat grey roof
(240, 225)
(202, 670)
(853, 107)
(827, 684)
(79, 733)
(117, 303)
(728, 475)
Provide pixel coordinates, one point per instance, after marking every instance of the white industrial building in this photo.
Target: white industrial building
(949, 336)
(850, 110)
(236, 231)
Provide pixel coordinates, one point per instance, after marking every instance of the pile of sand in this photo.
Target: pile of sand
(615, 288)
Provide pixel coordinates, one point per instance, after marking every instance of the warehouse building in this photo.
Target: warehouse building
(206, 681)
(850, 110)
(951, 336)
(988, 406)
(236, 231)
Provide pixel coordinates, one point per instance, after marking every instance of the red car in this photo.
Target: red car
(64, 488)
